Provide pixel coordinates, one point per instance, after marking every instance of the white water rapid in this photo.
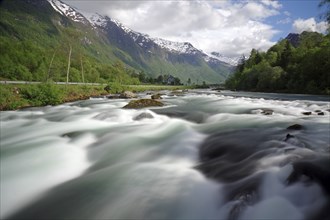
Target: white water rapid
(205, 155)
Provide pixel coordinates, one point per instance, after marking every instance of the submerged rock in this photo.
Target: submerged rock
(231, 156)
(143, 103)
(143, 116)
(177, 93)
(306, 113)
(190, 115)
(288, 136)
(320, 113)
(316, 170)
(267, 112)
(293, 140)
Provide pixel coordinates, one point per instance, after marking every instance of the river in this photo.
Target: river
(205, 155)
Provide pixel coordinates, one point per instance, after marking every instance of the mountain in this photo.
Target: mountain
(224, 59)
(293, 38)
(51, 25)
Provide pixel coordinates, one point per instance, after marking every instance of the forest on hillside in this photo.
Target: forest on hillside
(300, 66)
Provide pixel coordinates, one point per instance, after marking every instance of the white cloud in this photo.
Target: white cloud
(235, 41)
(287, 13)
(229, 27)
(286, 20)
(310, 24)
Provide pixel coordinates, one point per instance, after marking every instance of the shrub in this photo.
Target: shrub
(43, 94)
(9, 99)
(116, 87)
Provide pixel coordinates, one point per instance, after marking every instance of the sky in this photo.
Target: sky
(230, 27)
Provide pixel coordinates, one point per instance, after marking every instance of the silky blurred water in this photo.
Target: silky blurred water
(93, 159)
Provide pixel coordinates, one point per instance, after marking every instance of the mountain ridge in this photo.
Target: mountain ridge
(96, 19)
(154, 56)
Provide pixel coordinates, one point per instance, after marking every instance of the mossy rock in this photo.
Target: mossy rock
(156, 96)
(127, 95)
(143, 103)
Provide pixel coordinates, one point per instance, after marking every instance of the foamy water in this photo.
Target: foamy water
(94, 160)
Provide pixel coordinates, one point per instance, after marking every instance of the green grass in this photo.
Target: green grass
(14, 97)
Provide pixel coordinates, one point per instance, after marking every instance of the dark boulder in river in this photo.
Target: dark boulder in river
(295, 127)
(156, 96)
(143, 103)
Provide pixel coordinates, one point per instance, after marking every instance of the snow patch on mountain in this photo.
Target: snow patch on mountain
(179, 47)
(95, 20)
(222, 58)
(68, 11)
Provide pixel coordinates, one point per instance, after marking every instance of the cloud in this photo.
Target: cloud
(286, 20)
(309, 24)
(272, 3)
(229, 27)
(231, 42)
(287, 13)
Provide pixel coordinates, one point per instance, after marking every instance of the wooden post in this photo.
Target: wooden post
(68, 70)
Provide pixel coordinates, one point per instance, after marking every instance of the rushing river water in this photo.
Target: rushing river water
(205, 155)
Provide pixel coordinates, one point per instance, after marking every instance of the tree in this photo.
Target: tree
(160, 79)
(142, 76)
(286, 55)
(189, 81)
(69, 63)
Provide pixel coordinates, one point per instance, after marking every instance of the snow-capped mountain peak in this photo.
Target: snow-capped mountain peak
(179, 47)
(67, 11)
(222, 58)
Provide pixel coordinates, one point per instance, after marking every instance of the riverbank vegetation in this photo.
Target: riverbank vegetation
(299, 64)
(20, 96)
(14, 97)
